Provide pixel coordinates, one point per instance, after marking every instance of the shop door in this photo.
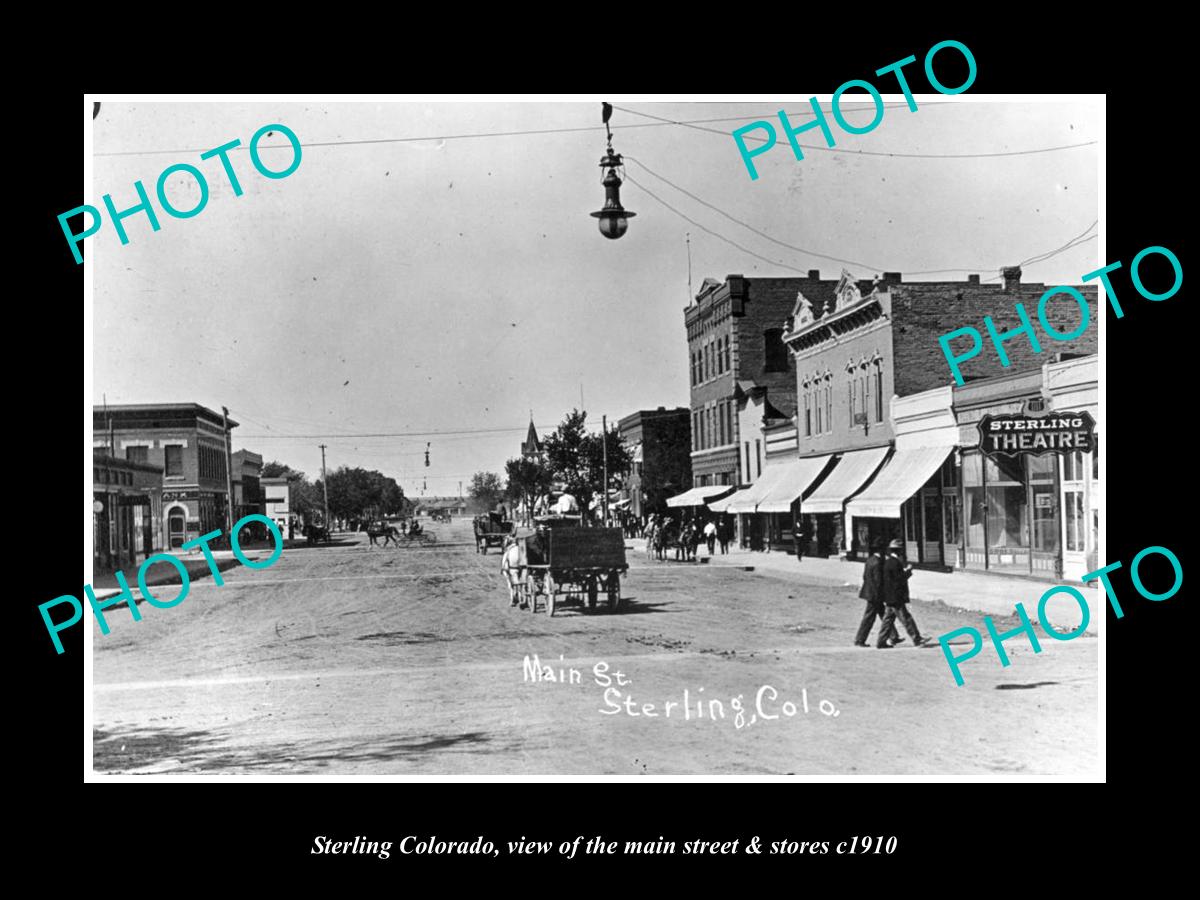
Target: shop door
(931, 527)
(826, 533)
(177, 528)
(1044, 516)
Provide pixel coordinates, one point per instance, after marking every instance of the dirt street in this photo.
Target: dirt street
(349, 659)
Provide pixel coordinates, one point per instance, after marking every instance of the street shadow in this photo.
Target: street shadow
(397, 638)
(631, 607)
(203, 751)
(1024, 687)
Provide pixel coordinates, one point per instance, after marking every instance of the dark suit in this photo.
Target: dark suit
(895, 599)
(872, 592)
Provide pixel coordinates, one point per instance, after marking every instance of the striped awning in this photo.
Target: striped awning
(903, 476)
(698, 495)
(722, 505)
(851, 472)
(797, 477)
(748, 500)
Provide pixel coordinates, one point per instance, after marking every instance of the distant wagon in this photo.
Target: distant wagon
(491, 530)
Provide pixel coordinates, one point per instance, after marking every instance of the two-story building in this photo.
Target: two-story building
(659, 441)
(277, 495)
(189, 443)
(126, 512)
(247, 487)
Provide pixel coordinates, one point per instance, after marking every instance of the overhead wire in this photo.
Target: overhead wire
(878, 152)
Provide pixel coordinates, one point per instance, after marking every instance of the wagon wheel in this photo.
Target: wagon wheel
(593, 590)
(550, 589)
(531, 591)
(614, 591)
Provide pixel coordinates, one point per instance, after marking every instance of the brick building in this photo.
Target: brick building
(659, 440)
(188, 442)
(871, 343)
(735, 343)
(126, 512)
(247, 487)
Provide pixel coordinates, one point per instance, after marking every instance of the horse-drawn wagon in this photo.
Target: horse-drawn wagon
(491, 530)
(566, 565)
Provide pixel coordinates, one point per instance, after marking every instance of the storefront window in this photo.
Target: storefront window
(1073, 466)
(951, 521)
(1075, 521)
(932, 507)
(1007, 518)
(1043, 497)
(972, 473)
(912, 521)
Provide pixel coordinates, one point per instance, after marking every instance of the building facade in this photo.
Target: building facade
(188, 442)
(735, 335)
(277, 495)
(659, 441)
(247, 486)
(126, 513)
(876, 342)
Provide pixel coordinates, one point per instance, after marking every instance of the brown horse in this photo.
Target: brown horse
(387, 532)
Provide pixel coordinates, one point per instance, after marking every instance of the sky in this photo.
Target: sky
(455, 283)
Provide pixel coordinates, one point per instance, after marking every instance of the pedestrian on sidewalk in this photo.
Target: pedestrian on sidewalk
(710, 537)
(895, 597)
(872, 592)
(724, 534)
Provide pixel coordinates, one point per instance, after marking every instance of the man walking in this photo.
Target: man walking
(895, 597)
(872, 592)
(710, 536)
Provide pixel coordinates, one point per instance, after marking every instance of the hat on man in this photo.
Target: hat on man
(896, 544)
(877, 545)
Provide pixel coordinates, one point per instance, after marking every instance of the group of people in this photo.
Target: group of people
(663, 533)
(885, 588)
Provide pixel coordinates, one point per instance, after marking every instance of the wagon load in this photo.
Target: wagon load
(566, 564)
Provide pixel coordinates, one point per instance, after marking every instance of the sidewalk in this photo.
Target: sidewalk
(994, 595)
(104, 584)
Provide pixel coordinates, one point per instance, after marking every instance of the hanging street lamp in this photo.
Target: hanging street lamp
(614, 218)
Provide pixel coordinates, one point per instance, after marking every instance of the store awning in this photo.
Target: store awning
(902, 477)
(722, 505)
(852, 470)
(797, 476)
(747, 500)
(697, 495)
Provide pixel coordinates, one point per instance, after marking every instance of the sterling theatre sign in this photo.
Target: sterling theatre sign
(1057, 433)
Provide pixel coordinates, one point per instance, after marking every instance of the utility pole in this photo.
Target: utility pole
(687, 238)
(604, 447)
(112, 450)
(325, 488)
(228, 469)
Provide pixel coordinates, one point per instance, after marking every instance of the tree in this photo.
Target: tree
(576, 458)
(528, 481)
(487, 489)
(359, 494)
(304, 497)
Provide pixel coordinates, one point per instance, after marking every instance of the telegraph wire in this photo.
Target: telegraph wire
(877, 152)
(659, 121)
(773, 262)
(745, 225)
